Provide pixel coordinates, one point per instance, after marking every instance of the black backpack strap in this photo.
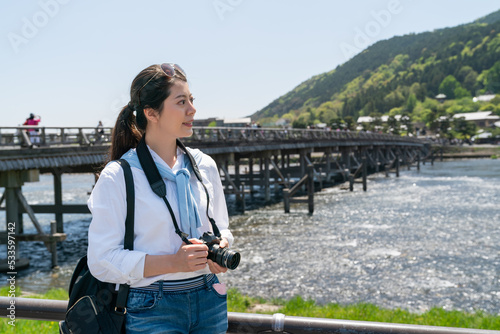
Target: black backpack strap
(129, 221)
(196, 171)
(156, 182)
(121, 299)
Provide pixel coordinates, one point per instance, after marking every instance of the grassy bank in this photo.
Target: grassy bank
(297, 307)
(468, 151)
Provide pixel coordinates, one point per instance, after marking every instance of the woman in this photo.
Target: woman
(173, 286)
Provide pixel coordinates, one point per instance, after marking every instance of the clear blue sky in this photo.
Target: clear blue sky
(72, 61)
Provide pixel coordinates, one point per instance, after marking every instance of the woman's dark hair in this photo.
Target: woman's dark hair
(149, 89)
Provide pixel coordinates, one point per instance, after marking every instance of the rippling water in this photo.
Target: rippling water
(428, 238)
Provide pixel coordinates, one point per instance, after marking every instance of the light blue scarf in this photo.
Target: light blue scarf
(188, 210)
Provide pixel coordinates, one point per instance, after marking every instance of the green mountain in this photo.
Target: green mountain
(399, 75)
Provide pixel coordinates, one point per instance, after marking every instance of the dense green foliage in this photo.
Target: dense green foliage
(297, 307)
(402, 75)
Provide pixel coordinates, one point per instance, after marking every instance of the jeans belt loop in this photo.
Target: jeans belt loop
(160, 288)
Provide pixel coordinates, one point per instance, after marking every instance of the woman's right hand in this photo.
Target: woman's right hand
(192, 257)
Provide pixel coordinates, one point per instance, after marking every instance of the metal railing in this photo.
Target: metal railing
(32, 136)
(54, 310)
(244, 134)
(29, 136)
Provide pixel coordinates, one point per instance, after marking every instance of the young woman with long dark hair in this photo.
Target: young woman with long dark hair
(174, 288)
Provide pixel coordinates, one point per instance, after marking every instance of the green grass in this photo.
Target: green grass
(32, 326)
(367, 312)
(295, 307)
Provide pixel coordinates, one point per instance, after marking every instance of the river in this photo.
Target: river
(428, 238)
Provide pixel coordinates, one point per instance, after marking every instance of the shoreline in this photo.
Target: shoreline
(467, 152)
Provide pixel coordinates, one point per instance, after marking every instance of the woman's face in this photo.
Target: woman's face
(176, 118)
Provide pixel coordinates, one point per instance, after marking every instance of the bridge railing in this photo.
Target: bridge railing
(29, 136)
(277, 134)
(54, 310)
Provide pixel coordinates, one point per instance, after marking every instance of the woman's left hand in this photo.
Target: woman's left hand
(214, 267)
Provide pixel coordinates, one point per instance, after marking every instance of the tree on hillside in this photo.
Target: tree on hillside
(492, 79)
(406, 121)
(419, 90)
(461, 92)
(428, 117)
(411, 102)
(464, 128)
(376, 124)
(349, 121)
(337, 123)
(301, 122)
(442, 125)
(448, 86)
(468, 77)
(393, 125)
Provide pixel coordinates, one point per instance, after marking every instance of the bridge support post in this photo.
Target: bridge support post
(242, 197)
(250, 175)
(13, 181)
(53, 244)
(303, 165)
(11, 216)
(310, 187)
(346, 158)
(397, 164)
(365, 171)
(237, 179)
(267, 177)
(302, 162)
(286, 199)
(58, 200)
(328, 163)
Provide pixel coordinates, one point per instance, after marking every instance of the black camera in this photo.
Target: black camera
(222, 256)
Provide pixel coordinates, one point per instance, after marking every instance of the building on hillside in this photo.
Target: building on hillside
(369, 119)
(441, 97)
(236, 122)
(204, 122)
(483, 119)
(484, 98)
(222, 122)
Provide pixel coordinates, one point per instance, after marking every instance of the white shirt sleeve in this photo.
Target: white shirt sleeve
(107, 259)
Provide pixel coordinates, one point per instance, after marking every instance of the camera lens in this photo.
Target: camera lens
(231, 259)
(224, 257)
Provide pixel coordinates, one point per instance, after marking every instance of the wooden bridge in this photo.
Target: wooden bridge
(250, 159)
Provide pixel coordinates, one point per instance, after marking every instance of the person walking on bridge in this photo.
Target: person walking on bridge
(33, 133)
(173, 286)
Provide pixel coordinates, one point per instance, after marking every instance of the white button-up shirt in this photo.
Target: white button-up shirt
(154, 232)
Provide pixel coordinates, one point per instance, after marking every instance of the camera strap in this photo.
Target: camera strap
(158, 185)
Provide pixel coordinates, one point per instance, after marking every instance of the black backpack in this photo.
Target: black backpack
(97, 307)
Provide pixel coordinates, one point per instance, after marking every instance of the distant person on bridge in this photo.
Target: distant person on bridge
(99, 132)
(173, 285)
(33, 133)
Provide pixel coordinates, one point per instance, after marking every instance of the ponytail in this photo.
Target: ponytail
(126, 134)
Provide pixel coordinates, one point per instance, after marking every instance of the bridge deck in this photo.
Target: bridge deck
(86, 148)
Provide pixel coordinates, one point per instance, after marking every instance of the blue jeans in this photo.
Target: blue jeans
(200, 310)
